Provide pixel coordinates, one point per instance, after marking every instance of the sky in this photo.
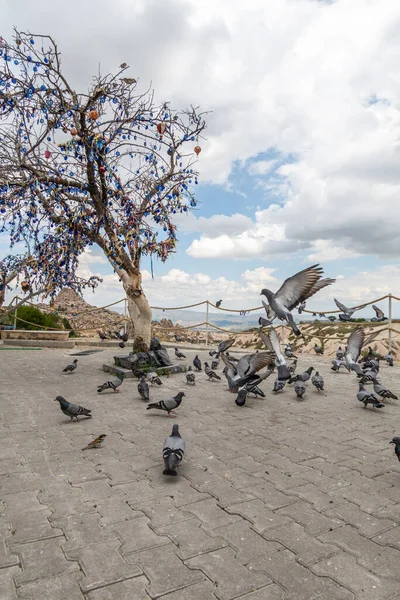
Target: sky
(300, 164)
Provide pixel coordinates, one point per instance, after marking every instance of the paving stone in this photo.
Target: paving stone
(92, 491)
(327, 468)
(312, 494)
(257, 513)
(59, 587)
(82, 530)
(367, 524)
(231, 578)
(161, 511)
(137, 535)
(164, 569)
(138, 491)
(368, 502)
(42, 558)
(199, 591)
(211, 514)
(381, 560)
(344, 569)
(191, 539)
(311, 519)
(6, 558)
(246, 542)
(29, 529)
(21, 502)
(389, 538)
(225, 493)
(298, 582)
(113, 510)
(102, 564)
(271, 497)
(270, 592)
(7, 587)
(129, 589)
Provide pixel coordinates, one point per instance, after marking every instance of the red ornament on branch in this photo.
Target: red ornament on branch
(197, 150)
(47, 154)
(94, 114)
(161, 127)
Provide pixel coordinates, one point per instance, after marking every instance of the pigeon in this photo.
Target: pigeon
(301, 307)
(197, 363)
(215, 364)
(154, 378)
(278, 385)
(218, 304)
(305, 376)
(102, 336)
(337, 364)
(264, 322)
(143, 389)
(230, 372)
(125, 337)
(293, 367)
(224, 346)
(249, 364)
(231, 358)
(318, 381)
(383, 391)
(339, 353)
(369, 375)
(367, 398)
(121, 345)
(346, 312)
(271, 341)
(354, 345)
(169, 404)
(241, 397)
(212, 352)
(179, 354)
(96, 443)
(300, 389)
(190, 376)
(396, 442)
(380, 316)
(123, 66)
(210, 373)
(113, 384)
(72, 367)
(72, 410)
(173, 451)
(270, 316)
(389, 359)
(294, 290)
(288, 352)
(318, 349)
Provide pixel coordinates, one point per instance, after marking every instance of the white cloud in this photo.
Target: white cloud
(325, 251)
(213, 226)
(261, 167)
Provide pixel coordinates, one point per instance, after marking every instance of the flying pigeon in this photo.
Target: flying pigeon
(305, 376)
(113, 384)
(143, 389)
(383, 391)
(396, 442)
(179, 354)
(154, 378)
(318, 381)
(270, 316)
(354, 345)
(301, 307)
(271, 341)
(264, 322)
(173, 451)
(71, 368)
(347, 313)
(190, 376)
(72, 410)
(169, 404)
(367, 398)
(210, 373)
(294, 290)
(218, 304)
(278, 385)
(389, 359)
(96, 443)
(318, 349)
(380, 316)
(300, 389)
(197, 363)
(224, 346)
(339, 353)
(215, 364)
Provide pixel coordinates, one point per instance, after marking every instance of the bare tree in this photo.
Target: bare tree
(107, 167)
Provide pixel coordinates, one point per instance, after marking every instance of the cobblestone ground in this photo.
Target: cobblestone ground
(279, 500)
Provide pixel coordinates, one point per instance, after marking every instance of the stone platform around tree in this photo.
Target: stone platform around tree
(127, 373)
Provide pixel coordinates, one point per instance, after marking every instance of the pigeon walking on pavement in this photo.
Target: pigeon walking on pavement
(70, 368)
(318, 349)
(153, 378)
(368, 398)
(383, 391)
(339, 353)
(389, 359)
(179, 354)
(305, 376)
(197, 363)
(396, 442)
(143, 389)
(295, 290)
(190, 376)
(210, 373)
(278, 385)
(215, 364)
(318, 381)
(169, 404)
(96, 443)
(113, 384)
(300, 389)
(74, 411)
(173, 451)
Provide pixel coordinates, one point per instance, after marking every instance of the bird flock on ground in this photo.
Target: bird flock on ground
(245, 375)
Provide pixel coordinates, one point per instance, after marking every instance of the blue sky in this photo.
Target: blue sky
(300, 160)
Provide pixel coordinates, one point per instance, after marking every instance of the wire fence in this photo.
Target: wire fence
(208, 326)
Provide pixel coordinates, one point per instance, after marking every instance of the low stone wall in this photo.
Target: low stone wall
(24, 334)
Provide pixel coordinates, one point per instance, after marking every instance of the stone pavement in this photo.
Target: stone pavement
(279, 500)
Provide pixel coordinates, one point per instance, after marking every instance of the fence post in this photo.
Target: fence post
(390, 324)
(283, 336)
(16, 311)
(125, 325)
(206, 322)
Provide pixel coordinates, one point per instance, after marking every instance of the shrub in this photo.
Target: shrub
(37, 317)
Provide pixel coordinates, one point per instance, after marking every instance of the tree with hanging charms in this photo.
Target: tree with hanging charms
(108, 167)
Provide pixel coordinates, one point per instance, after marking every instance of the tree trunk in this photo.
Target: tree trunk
(138, 307)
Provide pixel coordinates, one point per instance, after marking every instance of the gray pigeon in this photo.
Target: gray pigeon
(72, 367)
(197, 363)
(271, 341)
(210, 373)
(380, 316)
(224, 346)
(190, 376)
(367, 398)
(301, 307)
(295, 290)
(173, 451)
(169, 404)
(270, 316)
(293, 367)
(179, 354)
(354, 345)
(113, 384)
(72, 410)
(143, 389)
(339, 353)
(215, 364)
(278, 385)
(337, 364)
(346, 312)
(300, 389)
(383, 391)
(318, 349)
(305, 376)
(218, 303)
(396, 442)
(318, 381)
(154, 378)
(389, 359)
